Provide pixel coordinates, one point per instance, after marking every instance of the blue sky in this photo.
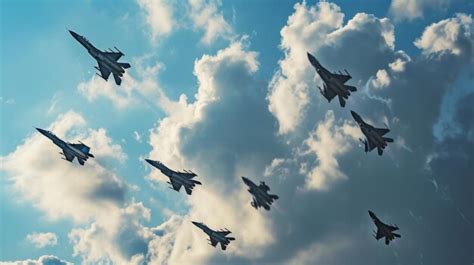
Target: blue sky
(248, 83)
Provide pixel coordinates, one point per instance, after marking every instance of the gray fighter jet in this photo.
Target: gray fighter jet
(177, 178)
(70, 151)
(383, 230)
(333, 82)
(261, 197)
(106, 60)
(216, 236)
(374, 136)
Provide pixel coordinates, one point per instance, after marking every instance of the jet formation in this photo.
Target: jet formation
(107, 60)
(261, 197)
(70, 151)
(383, 230)
(374, 136)
(177, 178)
(216, 237)
(334, 83)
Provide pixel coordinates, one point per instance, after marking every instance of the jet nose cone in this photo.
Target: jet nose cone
(41, 131)
(371, 214)
(355, 115)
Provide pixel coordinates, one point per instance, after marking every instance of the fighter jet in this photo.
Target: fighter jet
(107, 60)
(333, 82)
(70, 151)
(374, 136)
(216, 236)
(177, 178)
(383, 230)
(261, 198)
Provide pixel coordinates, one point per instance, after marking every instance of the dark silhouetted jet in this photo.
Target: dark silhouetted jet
(333, 82)
(107, 60)
(261, 197)
(374, 136)
(70, 151)
(177, 179)
(383, 230)
(216, 236)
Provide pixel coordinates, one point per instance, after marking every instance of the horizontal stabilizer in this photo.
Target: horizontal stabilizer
(351, 88)
(342, 102)
(124, 65)
(118, 80)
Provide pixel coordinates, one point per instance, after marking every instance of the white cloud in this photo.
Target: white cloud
(43, 260)
(411, 9)
(159, 17)
(328, 142)
(41, 240)
(449, 35)
(382, 79)
(59, 188)
(205, 16)
(119, 239)
(399, 64)
(137, 136)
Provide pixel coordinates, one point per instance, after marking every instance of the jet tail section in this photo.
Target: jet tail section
(389, 140)
(396, 235)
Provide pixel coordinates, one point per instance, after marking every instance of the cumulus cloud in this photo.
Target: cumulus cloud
(41, 240)
(120, 239)
(43, 260)
(205, 15)
(411, 9)
(451, 35)
(159, 17)
(327, 142)
(47, 179)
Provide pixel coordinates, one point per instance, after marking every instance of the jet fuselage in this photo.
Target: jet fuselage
(171, 173)
(329, 81)
(67, 147)
(98, 54)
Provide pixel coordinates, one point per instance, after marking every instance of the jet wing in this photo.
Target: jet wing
(381, 131)
(85, 149)
(343, 78)
(113, 55)
(176, 185)
(68, 156)
(224, 233)
(379, 235)
(370, 145)
(104, 71)
(213, 241)
(329, 94)
(392, 228)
